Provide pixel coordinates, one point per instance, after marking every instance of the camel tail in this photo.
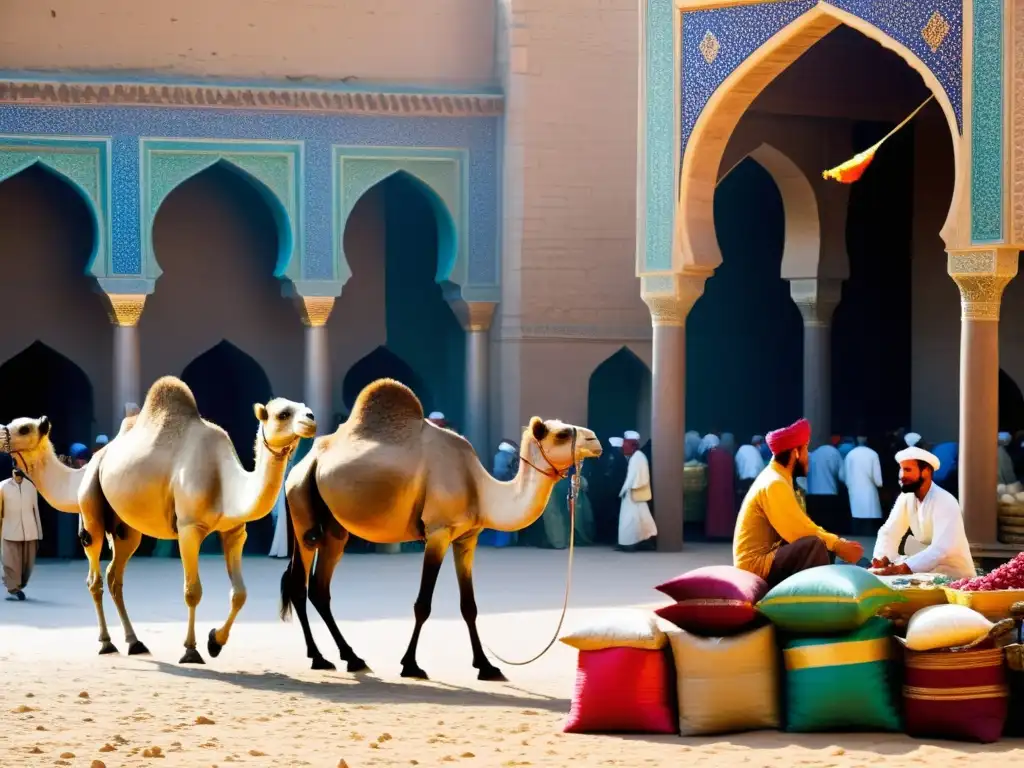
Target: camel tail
(296, 569)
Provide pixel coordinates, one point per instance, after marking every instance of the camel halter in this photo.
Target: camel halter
(574, 490)
(284, 452)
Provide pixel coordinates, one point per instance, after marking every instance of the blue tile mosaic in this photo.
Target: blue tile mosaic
(660, 136)
(741, 30)
(987, 123)
(319, 132)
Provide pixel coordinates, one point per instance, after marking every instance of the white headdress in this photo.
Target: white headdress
(918, 454)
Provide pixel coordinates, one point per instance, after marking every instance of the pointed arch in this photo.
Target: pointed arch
(801, 252)
(695, 243)
(274, 170)
(84, 165)
(382, 363)
(619, 395)
(1011, 404)
(440, 175)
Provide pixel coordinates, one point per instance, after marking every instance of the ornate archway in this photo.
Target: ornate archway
(273, 169)
(695, 244)
(381, 363)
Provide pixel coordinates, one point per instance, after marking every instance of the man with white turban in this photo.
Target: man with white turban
(636, 524)
(437, 418)
(911, 439)
(937, 541)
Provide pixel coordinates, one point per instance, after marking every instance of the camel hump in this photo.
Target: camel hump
(170, 396)
(386, 408)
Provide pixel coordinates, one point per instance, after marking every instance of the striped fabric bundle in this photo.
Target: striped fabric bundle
(956, 695)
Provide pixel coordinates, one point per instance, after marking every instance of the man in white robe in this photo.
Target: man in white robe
(636, 524)
(938, 542)
(21, 530)
(863, 473)
(749, 464)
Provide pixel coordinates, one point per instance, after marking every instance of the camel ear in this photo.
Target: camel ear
(44, 426)
(538, 428)
(261, 411)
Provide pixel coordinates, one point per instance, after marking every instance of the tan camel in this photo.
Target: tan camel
(388, 476)
(28, 442)
(173, 475)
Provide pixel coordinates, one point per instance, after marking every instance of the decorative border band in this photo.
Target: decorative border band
(55, 93)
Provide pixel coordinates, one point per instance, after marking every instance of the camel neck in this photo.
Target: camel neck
(254, 494)
(56, 482)
(513, 505)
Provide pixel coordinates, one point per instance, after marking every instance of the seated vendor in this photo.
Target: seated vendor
(937, 541)
(774, 537)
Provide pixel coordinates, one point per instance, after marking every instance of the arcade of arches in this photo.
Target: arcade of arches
(831, 301)
(218, 317)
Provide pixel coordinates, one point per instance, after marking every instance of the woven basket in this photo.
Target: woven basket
(695, 478)
(1011, 522)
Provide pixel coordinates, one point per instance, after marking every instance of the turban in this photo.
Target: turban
(78, 450)
(102, 440)
(788, 438)
(507, 447)
(631, 435)
(1004, 438)
(615, 442)
(918, 454)
(437, 415)
(912, 439)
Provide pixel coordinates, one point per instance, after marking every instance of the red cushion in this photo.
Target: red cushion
(955, 695)
(623, 690)
(716, 598)
(710, 617)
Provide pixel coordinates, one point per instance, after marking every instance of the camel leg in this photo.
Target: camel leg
(465, 549)
(327, 559)
(436, 546)
(293, 589)
(122, 550)
(190, 538)
(232, 543)
(91, 503)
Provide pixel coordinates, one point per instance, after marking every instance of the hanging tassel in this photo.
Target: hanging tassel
(854, 168)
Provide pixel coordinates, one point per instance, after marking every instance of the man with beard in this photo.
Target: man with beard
(774, 537)
(937, 541)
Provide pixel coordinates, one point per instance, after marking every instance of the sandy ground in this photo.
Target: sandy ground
(260, 704)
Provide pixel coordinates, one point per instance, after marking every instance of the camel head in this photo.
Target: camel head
(554, 439)
(283, 422)
(25, 435)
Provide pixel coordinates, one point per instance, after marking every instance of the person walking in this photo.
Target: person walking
(21, 529)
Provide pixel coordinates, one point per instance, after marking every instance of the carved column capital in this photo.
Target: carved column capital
(816, 298)
(125, 309)
(981, 276)
(671, 297)
(473, 315)
(314, 310)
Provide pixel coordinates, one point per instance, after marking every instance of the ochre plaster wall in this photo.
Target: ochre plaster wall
(441, 42)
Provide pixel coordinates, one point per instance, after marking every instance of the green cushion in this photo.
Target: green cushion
(829, 598)
(841, 682)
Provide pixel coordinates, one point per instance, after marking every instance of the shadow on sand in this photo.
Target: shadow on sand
(366, 688)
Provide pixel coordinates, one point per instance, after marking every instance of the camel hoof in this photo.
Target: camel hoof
(138, 648)
(322, 664)
(357, 665)
(191, 657)
(414, 671)
(212, 645)
(107, 647)
(491, 674)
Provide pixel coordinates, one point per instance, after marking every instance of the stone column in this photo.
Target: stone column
(124, 312)
(669, 299)
(981, 277)
(817, 300)
(315, 310)
(476, 317)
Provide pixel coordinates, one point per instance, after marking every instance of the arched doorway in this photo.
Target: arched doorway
(382, 363)
(618, 396)
(40, 381)
(744, 334)
(399, 240)
(226, 383)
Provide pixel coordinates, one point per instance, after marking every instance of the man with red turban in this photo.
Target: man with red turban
(774, 537)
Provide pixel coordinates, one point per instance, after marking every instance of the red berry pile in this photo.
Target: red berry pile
(1007, 576)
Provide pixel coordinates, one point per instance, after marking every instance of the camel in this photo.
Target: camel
(173, 475)
(28, 442)
(389, 476)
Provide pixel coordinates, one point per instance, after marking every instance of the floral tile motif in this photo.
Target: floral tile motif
(935, 31)
(709, 47)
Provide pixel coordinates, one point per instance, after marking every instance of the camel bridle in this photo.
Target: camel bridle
(283, 454)
(574, 488)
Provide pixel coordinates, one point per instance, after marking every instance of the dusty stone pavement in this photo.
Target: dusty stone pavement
(260, 704)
